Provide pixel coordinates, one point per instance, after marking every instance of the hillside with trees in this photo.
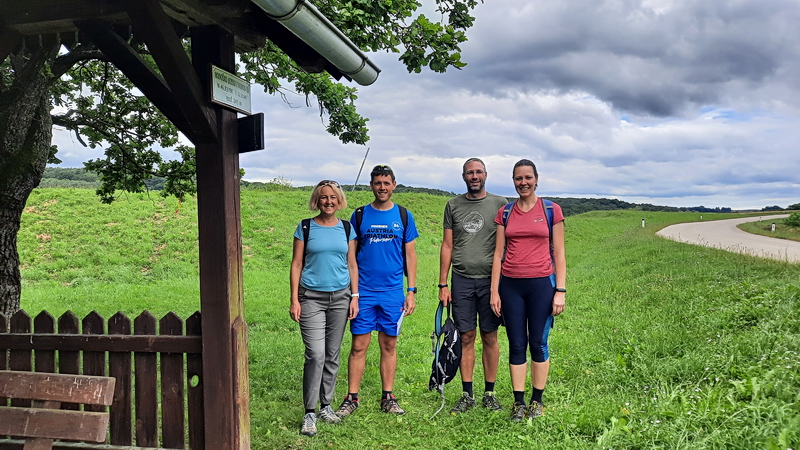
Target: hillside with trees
(81, 178)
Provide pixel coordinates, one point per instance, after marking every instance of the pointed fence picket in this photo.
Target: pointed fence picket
(158, 398)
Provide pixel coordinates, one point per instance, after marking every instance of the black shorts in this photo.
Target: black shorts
(471, 298)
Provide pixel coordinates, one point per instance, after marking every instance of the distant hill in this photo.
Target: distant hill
(80, 178)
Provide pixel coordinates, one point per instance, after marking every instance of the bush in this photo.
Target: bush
(793, 220)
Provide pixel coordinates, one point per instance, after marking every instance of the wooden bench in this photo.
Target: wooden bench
(43, 421)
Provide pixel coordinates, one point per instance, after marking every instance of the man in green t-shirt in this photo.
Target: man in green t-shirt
(468, 246)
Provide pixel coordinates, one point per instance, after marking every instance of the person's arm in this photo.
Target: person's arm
(352, 267)
(294, 278)
(559, 299)
(411, 261)
(497, 262)
(445, 259)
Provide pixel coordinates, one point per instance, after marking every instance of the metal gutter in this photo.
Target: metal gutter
(304, 20)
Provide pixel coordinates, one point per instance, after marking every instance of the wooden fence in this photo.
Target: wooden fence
(158, 399)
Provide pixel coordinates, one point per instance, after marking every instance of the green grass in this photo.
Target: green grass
(764, 228)
(662, 345)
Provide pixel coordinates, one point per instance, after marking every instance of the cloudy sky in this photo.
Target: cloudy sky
(670, 102)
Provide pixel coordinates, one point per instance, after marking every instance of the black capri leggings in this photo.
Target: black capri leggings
(527, 308)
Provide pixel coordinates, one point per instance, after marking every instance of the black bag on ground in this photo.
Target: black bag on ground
(446, 351)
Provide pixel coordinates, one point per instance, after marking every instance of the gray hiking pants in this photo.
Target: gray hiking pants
(323, 317)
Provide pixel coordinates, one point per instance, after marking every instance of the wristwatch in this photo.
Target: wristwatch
(442, 285)
(564, 290)
(412, 289)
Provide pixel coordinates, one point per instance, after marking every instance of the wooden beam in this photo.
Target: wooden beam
(40, 17)
(101, 343)
(152, 26)
(57, 387)
(9, 41)
(226, 399)
(53, 423)
(138, 71)
(231, 15)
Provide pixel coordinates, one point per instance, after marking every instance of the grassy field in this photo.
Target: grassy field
(662, 345)
(764, 228)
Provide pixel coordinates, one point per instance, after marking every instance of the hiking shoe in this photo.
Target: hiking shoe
(327, 415)
(347, 407)
(535, 410)
(491, 402)
(464, 404)
(309, 427)
(390, 405)
(518, 412)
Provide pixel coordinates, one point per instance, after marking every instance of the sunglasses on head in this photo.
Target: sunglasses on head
(328, 183)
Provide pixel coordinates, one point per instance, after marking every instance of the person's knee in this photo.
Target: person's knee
(315, 354)
(489, 339)
(387, 343)
(468, 337)
(360, 344)
(540, 353)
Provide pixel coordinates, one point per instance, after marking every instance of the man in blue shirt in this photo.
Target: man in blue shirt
(386, 234)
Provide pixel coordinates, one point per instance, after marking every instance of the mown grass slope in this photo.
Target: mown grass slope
(662, 345)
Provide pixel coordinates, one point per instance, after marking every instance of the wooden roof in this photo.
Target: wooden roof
(249, 25)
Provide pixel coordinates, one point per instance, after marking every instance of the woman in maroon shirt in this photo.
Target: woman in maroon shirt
(528, 285)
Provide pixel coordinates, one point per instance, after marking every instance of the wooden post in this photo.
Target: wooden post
(225, 369)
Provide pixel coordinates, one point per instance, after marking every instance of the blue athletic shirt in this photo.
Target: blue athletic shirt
(380, 260)
(326, 257)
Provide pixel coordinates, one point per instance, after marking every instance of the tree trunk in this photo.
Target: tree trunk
(25, 146)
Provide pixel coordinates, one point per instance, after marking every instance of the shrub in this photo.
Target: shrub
(793, 220)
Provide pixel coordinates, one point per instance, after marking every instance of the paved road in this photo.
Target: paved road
(723, 234)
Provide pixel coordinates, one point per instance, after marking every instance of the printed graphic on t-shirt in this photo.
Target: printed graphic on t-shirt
(473, 222)
(381, 233)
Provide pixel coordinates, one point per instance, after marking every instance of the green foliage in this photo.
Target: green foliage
(373, 26)
(772, 208)
(662, 344)
(104, 109)
(793, 206)
(793, 220)
(783, 228)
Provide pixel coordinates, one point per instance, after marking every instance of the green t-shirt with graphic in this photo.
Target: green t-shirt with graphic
(472, 222)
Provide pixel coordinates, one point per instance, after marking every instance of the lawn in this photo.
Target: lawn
(662, 345)
(764, 228)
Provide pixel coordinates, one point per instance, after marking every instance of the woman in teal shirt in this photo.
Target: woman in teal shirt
(324, 295)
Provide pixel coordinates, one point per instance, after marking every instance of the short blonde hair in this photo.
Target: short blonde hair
(313, 203)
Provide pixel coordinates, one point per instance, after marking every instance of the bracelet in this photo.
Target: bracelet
(356, 295)
(564, 290)
(442, 285)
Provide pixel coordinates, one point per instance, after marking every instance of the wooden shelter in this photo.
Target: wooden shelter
(216, 29)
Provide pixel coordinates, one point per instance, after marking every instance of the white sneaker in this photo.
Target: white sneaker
(328, 416)
(309, 427)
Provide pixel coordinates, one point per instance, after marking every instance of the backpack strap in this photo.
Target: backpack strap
(404, 220)
(306, 226)
(347, 227)
(506, 213)
(359, 218)
(548, 209)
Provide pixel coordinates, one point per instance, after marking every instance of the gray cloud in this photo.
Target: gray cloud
(648, 57)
